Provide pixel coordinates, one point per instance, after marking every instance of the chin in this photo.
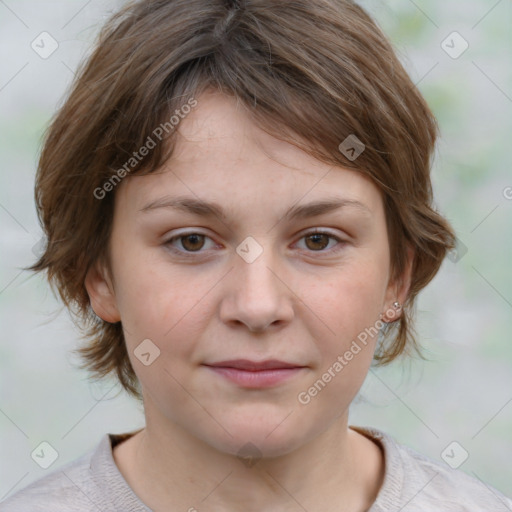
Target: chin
(259, 438)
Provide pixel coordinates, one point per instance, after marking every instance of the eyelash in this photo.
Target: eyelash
(168, 243)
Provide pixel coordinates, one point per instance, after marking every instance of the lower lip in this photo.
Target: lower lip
(256, 379)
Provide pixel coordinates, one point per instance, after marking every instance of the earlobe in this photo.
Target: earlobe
(405, 279)
(101, 294)
(398, 291)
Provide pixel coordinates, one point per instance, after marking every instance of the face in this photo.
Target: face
(243, 247)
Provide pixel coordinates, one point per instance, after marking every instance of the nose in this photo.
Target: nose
(256, 294)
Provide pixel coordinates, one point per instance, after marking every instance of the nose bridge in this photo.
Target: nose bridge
(256, 297)
(256, 274)
(252, 270)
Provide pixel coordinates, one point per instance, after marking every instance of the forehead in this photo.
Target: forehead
(221, 155)
(221, 127)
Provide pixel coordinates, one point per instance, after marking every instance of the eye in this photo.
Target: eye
(193, 242)
(189, 242)
(318, 241)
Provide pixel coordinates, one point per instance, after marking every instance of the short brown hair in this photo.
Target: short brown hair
(311, 72)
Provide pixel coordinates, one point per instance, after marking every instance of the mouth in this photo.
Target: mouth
(248, 365)
(256, 374)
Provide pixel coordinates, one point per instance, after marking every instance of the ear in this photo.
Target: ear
(398, 289)
(101, 293)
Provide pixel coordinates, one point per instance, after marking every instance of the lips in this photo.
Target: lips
(256, 374)
(255, 366)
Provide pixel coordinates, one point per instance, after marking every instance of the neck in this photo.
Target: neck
(169, 468)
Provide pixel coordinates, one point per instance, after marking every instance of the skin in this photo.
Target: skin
(302, 300)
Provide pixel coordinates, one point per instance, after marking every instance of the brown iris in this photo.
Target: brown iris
(319, 241)
(192, 242)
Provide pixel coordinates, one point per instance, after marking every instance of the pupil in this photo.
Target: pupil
(318, 238)
(197, 242)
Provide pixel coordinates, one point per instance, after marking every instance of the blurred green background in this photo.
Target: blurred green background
(463, 393)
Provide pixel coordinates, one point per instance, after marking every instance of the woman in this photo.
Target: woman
(238, 206)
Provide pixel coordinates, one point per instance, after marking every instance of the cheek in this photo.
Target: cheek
(350, 301)
(164, 304)
(350, 305)
(351, 308)
(166, 308)
(145, 290)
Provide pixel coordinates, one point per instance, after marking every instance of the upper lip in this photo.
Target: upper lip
(246, 364)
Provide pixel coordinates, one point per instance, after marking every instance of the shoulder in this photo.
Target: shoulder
(58, 491)
(437, 482)
(414, 482)
(91, 482)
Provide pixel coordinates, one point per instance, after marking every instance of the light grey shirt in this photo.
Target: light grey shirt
(412, 483)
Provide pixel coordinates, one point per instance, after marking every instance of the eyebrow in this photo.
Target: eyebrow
(211, 209)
